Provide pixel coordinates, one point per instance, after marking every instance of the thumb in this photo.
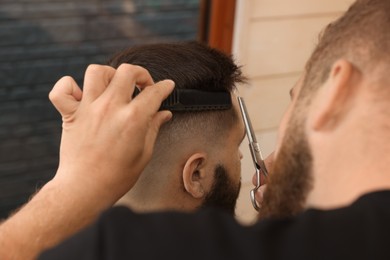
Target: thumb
(66, 96)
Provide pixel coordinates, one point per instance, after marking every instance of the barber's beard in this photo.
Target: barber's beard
(224, 192)
(291, 178)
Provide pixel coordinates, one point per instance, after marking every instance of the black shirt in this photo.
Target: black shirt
(359, 231)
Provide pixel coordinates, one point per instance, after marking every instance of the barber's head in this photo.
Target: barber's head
(196, 160)
(338, 116)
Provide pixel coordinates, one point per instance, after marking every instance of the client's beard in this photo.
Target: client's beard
(291, 179)
(224, 192)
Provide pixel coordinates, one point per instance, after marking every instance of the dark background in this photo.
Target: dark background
(42, 40)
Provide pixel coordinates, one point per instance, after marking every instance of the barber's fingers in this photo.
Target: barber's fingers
(259, 195)
(150, 99)
(96, 80)
(268, 162)
(263, 178)
(123, 83)
(66, 96)
(145, 107)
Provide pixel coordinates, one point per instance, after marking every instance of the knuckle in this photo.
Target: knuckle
(139, 68)
(55, 93)
(134, 113)
(95, 69)
(126, 67)
(131, 69)
(67, 78)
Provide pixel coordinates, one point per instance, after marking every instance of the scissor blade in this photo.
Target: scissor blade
(248, 125)
(253, 145)
(263, 168)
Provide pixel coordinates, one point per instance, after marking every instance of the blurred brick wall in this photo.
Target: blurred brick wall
(42, 40)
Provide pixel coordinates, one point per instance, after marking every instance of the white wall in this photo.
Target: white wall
(272, 40)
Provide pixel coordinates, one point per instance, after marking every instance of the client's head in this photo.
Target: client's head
(196, 159)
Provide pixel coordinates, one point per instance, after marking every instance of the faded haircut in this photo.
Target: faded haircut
(190, 65)
(361, 35)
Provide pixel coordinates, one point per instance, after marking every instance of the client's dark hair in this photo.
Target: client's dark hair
(190, 65)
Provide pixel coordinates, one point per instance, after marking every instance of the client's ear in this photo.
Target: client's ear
(333, 99)
(193, 173)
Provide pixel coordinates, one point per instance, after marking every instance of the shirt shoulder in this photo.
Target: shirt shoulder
(360, 231)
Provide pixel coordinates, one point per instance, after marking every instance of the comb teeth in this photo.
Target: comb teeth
(172, 99)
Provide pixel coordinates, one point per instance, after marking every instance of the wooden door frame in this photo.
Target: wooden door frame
(216, 26)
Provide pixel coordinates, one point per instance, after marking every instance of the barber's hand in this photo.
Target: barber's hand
(107, 137)
(259, 195)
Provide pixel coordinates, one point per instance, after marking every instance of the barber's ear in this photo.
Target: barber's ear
(193, 174)
(332, 100)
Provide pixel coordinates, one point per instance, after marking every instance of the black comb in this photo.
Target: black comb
(194, 100)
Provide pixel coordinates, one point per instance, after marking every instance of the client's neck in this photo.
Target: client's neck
(158, 195)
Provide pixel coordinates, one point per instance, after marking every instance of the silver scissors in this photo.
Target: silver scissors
(255, 152)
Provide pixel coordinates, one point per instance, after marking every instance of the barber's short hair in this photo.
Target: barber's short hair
(361, 35)
(190, 65)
